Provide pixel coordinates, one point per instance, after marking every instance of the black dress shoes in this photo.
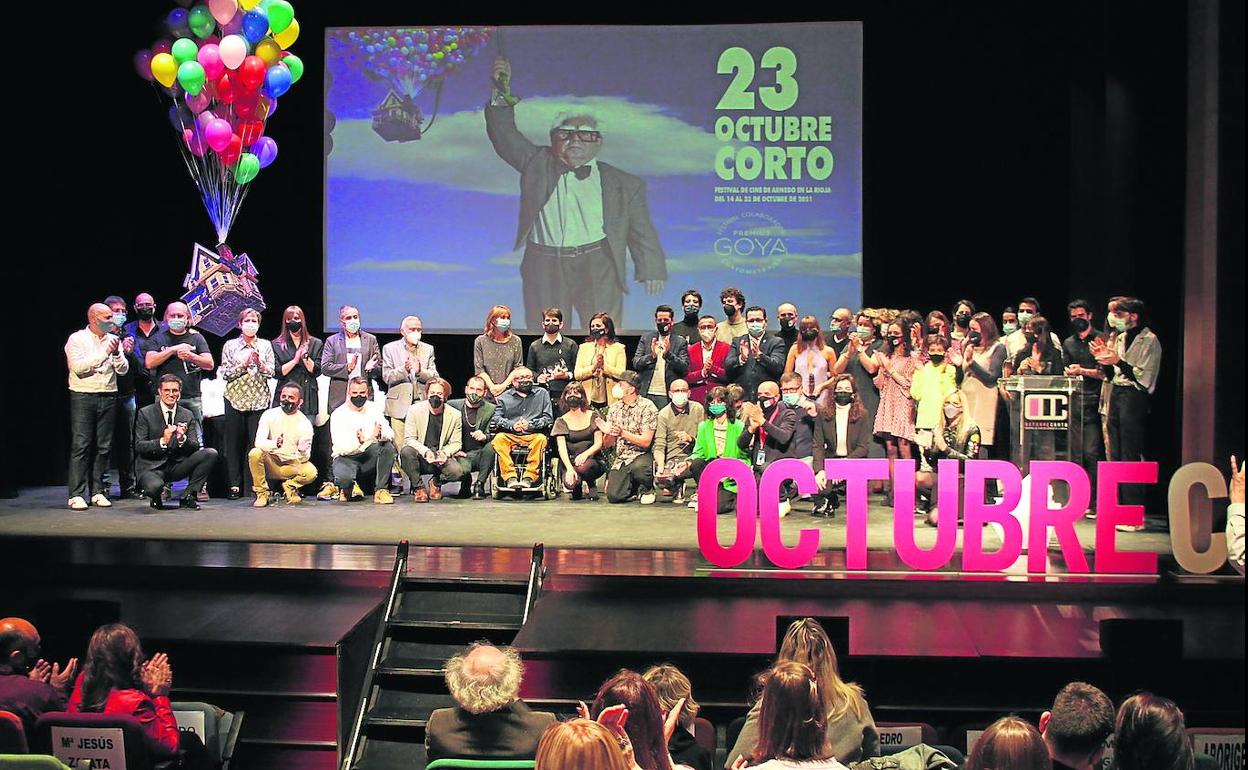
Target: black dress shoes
(234, 493)
(155, 504)
(189, 503)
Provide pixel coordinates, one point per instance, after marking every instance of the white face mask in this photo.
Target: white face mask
(680, 399)
(250, 328)
(952, 411)
(706, 335)
(413, 338)
(617, 392)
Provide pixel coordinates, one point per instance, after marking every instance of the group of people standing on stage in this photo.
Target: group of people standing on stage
(695, 388)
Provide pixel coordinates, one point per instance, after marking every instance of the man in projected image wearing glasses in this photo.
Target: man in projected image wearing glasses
(578, 216)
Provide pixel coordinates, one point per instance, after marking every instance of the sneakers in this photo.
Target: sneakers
(419, 495)
(383, 497)
(435, 491)
(100, 500)
(647, 498)
(262, 500)
(329, 491)
(526, 482)
(356, 492)
(785, 507)
(511, 483)
(202, 496)
(77, 504)
(478, 491)
(679, 498)
(693, 501)
(291, 490)
(1129, 527)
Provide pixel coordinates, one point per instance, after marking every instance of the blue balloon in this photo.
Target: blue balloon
(178, 22)
(277, 80)
(255, 26)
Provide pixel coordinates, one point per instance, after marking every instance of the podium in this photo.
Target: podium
(1046, 418)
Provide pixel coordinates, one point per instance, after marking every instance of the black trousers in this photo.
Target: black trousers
(586, 283)
(480, 461)
(415, 466)
(123, 443)
(91, 418)
(195, 469)
(637, 476)
(377, 457)
(725, 499)
(1128, 429)
(1093, 442)
(240, 437)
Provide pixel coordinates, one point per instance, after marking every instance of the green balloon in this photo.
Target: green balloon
(191, 76)
(281, 14)
(184, 50)
(246, 169)
(201, 22)
(295, 65)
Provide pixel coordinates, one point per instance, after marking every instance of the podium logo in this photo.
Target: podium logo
(1046, 407)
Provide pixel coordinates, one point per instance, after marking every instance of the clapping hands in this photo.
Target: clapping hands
(157, 675)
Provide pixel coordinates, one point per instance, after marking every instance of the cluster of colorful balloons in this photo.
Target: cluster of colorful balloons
(225, 66)
(409, 58)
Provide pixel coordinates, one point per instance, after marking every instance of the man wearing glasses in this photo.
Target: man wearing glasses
(578, 216)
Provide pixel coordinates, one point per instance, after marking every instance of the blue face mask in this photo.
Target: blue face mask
(755, 328)
(792, 398)
(716, 410)
(1009, 327)
(177, 324)
(119, 319)
(352, 326)
(503, 324)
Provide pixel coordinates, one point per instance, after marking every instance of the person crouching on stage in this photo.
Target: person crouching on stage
(956, 438)
(476, 452)
(164, 438)
(718, 436)
(676, 430)
(579, 442)
(523, 415)
(283, 447)
(770, 426)
(629, 427)
(363, 442)
(842, 430)
(433, 437)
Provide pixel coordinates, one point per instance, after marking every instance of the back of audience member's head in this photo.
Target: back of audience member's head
(792, 720)
(579, 744)
(645, 718)
(19, 645)
(671, 684)
(114, 661)
(485, 678)
(1151, 735)
(1076, 727)
(1009, 743)
(806, 642)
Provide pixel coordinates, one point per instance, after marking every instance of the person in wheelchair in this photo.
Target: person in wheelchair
(523, 416)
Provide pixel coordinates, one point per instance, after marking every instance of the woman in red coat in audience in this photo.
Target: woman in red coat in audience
(119, 679)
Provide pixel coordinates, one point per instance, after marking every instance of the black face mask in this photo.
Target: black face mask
(844, 399)
(596, 333)
(1030, 337)
(662, 326)
(933, 330)
(435, 401)
(730, 310)
(145, 313)
(359, 401)
(975, 337)
(766, 403)
(294, 326)
(550, 328)
(809, 334)
(936, 358)
(475, 398)
(1080, 325)
(289, 407)
(962, 319)
(524, 387)
(895, 341)
(787, 324)
(574, 402)
(691, 315)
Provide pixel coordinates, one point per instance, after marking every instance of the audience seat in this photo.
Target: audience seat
(38, 762)
(137, 755)
(220, 729)
(480, 764)
(927, 734)
(12, 734)
(704, 734)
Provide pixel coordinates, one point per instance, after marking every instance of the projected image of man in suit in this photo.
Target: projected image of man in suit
(578, 216)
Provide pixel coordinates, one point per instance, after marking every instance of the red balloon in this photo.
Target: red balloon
(226, 93)
(246, 103)
(252, 71)
(229, 156)
(250, 130)
(161, 46)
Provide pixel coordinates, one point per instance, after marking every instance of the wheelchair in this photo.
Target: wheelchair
(547, 486)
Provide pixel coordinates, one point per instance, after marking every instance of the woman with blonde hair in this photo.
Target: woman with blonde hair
(1009, 743)
(496, 352)
(673, 687)
(580, 744)
(956, 438)
(850, 728)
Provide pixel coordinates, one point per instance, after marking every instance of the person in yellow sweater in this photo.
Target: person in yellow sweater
(931, 384)
(600, 361)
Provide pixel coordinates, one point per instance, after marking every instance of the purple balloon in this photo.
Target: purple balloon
(204, 118)
(265, 150)
(233, 26)
(143, 64)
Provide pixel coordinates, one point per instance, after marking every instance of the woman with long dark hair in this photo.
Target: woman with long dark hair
(644, 725)
(894, 420)
(297, 359)
(718, 436)
(842, 430)
(1150, 734)
(600, 360)
(579, 442)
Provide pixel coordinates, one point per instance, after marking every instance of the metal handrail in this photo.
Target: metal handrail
(537, 576)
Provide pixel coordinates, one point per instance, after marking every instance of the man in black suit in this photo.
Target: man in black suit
(488, 721)
(770, 426)
(577, 216)
(661, 358)
(758, 356)
(164, 440)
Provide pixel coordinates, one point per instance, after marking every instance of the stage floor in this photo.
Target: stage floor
(560, 523)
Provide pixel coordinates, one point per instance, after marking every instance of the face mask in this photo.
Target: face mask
(895, 341)
(952, 411)
(617, 392)
(475, 398)
(692, 309)
(119, 319)
(575, 402)
(550, 328)
(809, 334)
(934, 330)
(792, 399)
(843, 398)
(524, 387)
(1009, 327)
(962, 319)
(787, 324)
(145, 313)
(250, 328)
(975, 337)
(716, 410)
(294, 326)
(1079, 325)
(413, 338)
(352, 326)
(435, 401)
(1023, 317)
(680, 399)
(706, 334)
(1030, 337)
(1119, 324)
(936, 358)
(863, 331)
(503, 324)
(359, 401)
(289, 407)
(755, 328)
(177, 324)
(730, 310)
(105, 327)
(662, 326)
(597, 333)
(766, 403)
(838, 326)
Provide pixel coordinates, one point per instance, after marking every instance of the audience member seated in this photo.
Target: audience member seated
(523, 416)
(477, 451)
(1076, 728)
(434, 435)
(363, 442)
(792, 723)
(29, 686)
(1010, 743)
(842, 430)
(283, 447)
(1150, 734)
(629, 428)
(168, 450)
(580, 744)
(677, 428)
(674, 689)
(718, 436)
(579, 442)
(850, 727)
(488, 720)
(648, 732)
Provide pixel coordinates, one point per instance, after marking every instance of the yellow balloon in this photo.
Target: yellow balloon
(164, 69)
(247, 5)
(269, 51)
(286, 37)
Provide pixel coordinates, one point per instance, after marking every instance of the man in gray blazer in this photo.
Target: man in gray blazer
(407, 365)
(432, 438)
(578, 216)
(349, 353)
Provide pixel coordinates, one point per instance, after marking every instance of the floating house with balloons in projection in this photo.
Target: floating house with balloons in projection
(219, 286)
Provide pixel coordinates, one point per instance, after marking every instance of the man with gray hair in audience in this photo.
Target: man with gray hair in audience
(488, 721)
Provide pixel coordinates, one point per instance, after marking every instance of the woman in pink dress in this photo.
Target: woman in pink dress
(813, 359)
(894, 419)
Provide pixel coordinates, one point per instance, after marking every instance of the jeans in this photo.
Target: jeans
(91, 418)
(635, 476)
(123, 444)
(377, 457)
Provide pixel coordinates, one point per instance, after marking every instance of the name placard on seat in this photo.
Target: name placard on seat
(191, 722)
(899, 738)
(1226, 747)
(104, 746)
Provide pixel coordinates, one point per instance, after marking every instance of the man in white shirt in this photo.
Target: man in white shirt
(95, 358)
(283, 448)
(1235, 519)
(363, 441)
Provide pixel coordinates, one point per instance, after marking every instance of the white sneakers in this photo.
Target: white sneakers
(785, 507)
(101, 501)
(647, 499)
(77, 504)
